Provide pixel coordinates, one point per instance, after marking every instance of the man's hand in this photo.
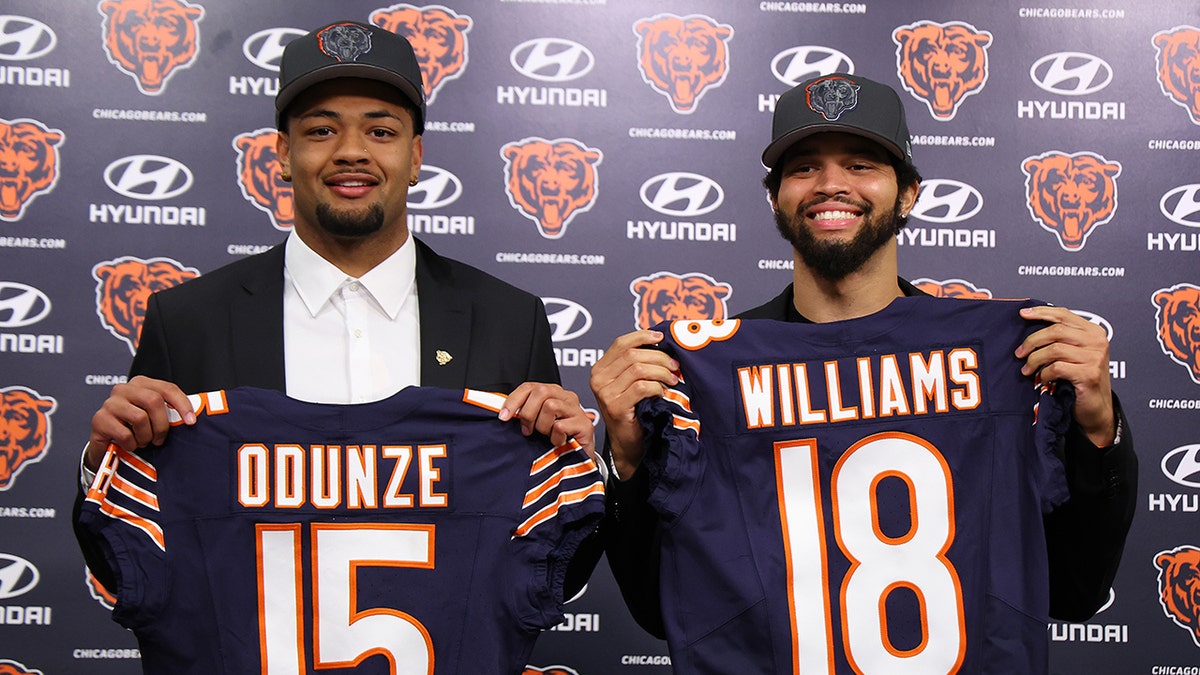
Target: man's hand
(626, 374)
(1074, 349)
(135, 415)
(552, 411)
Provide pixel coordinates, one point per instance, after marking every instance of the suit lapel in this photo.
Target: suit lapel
(256, 318)
(445, 312)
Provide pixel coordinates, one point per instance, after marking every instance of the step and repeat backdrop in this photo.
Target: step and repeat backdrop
(1060, 144)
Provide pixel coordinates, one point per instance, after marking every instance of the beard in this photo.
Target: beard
(834, 260)
(350, 223)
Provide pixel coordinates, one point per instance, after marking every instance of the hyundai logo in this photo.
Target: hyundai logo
(148, 177)
(21, 305)
(682, 194)
(1099, 321)
(437, 188)
(1182, 205)
(552, 59)
(23, 39)
(947, 201)
(265, 48)
(1071, 73)
(568, 320)
(18, 576)
(795, 65)
(1182, 465)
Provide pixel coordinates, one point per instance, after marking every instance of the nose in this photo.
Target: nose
(832, 180)
(351, 150)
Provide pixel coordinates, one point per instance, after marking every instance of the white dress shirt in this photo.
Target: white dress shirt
(348, 340)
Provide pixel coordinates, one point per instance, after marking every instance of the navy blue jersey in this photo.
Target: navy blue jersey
(418, 534)
(862, 496)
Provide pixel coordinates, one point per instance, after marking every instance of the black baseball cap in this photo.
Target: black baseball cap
(350, 49)
(839, 102)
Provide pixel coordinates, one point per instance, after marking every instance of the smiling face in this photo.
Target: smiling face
(838, 202)
(350, 148)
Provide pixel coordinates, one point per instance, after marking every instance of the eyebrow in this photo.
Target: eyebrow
(331, 114)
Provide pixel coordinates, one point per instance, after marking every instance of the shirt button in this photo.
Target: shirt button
(357, 333)
(354, 286)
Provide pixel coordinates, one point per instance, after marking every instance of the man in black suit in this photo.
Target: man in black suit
(842, 186)
(351, 308)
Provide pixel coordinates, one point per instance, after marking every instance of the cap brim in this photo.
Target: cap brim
(338, 70)
(780, 145)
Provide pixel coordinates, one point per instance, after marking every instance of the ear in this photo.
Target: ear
(283, 145)
(908, 197)
(418, 152)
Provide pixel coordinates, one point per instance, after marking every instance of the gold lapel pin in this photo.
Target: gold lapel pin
(443, 357)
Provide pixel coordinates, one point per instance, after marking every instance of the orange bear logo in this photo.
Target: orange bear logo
(1179, 67)
(952, 288)
(8, 667)
(123, 286)
(549, 670)
(1071, 195)
(99, 593)
(24, 430)
(550, 182)
(151, 40)
(1178, 319)
(683, 57)
(942, 63)
(1179, 587)
(28, 164)
(259, 176)
(664, 296)
(438, 36)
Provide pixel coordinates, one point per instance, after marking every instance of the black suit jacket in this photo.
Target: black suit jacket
(224, 329)
(1085, 536)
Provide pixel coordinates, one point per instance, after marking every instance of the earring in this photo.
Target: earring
(413, 181)
(286, 176)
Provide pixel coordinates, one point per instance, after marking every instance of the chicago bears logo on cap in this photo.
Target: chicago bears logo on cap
(942, 63)
(831, 96)
(1071, 195)
(123, 286)
(24, 430)
(1178, 319)
(683, 57)
(1179, 587)
(438, 36)
(151, 40)
(550, 182)
(30, 149)
(665, 296)
(259, 176)
(344, 41)
(1178, 62)
(952, 288)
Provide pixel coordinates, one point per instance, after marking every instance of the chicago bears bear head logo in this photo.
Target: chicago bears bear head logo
(123, 286)
(1179, 587)
(549, 670)
(97, 590)
(683, 57)
(664, 296)
(1071, 195)
(1178, 319)
(259, 176)
(1179, 67)
(550, 182)
(151, 39)
(952, 288)
(942, 63)
(832, 96)
(344, 41)
(28, 164)
(13, 668)
(24, 430)
(438, 36)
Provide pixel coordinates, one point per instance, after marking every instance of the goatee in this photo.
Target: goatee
(350, 223)
(834, 260)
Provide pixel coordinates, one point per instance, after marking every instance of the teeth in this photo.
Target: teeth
(833, 215)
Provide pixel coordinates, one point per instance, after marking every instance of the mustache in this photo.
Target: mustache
(865, 207)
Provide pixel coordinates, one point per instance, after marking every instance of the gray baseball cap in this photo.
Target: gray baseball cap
(839, 102)
(350, 49)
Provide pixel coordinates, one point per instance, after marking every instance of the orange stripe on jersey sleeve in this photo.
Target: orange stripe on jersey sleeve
(678, 398)
(553, 455)
(150, 527)
(683, 424)
(137, 494)
(559, 476)
(137, 463)
(551, 510)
